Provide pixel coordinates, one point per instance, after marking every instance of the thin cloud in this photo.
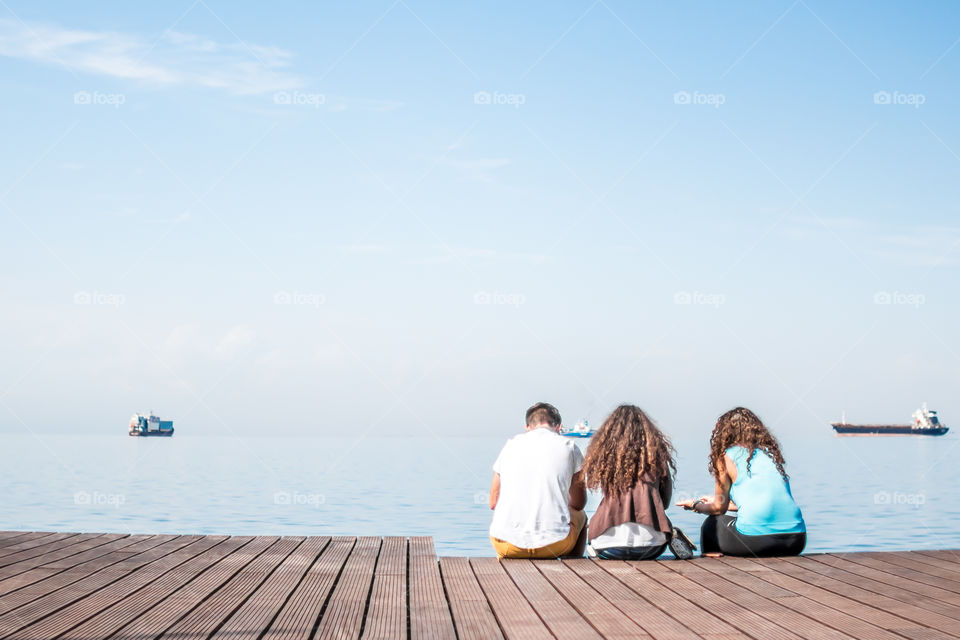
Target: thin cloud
(173, 59)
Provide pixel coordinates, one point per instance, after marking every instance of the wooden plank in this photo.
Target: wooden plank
(724, 583)
(741, 618)
(917, 562)
(33, 547)
(949, 555)
(560, 617)
(945, 589)
(256, 614)
(70, 548)
(128, 607)
(343, 617)
(300, 614)
(40, 551)
(656, 623)
(12, 537)
(128, 586)
(472, 616)
(701, 621)
(88, 575)
(429, 612)
(809, 607)
(878, 594)
(834, 594)
(515, 615)
(160, 618)
(951, 566)
(608, 621)
(207, 618)
(24, 537)
(386, 617)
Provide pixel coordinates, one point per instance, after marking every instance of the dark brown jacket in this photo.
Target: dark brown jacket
(644, 504)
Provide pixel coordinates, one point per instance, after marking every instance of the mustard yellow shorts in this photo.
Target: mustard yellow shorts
(578, 520)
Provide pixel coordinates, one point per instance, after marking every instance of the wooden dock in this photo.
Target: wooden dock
(87, 586)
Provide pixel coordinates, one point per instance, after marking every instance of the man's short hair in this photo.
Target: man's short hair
(543, 413)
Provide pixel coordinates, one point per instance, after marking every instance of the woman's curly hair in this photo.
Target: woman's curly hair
(742, 427)
(626, 447)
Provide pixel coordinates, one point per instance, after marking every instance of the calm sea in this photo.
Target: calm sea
(856, 493)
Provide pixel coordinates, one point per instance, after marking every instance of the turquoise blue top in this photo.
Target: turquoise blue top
(764, 502)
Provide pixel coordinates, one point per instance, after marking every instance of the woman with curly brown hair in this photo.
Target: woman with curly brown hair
(632, 462)
(746, 462)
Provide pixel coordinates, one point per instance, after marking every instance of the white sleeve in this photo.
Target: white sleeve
(498, 463)
(577, 459)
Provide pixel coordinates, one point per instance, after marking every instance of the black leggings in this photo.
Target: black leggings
(719, 534)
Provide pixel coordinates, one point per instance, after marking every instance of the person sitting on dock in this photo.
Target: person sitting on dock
(538, 493)
(632, 462)
(746, 463)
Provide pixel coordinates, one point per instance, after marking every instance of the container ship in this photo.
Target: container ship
(925, 423)
(150, 425)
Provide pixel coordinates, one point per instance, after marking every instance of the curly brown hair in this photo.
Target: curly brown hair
(742, 427)
(626, 447)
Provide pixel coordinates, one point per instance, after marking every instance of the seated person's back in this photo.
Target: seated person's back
(536, 478)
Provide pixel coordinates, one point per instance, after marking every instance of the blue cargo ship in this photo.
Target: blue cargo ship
(150, 425)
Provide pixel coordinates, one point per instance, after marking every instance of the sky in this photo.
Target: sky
(396, 217)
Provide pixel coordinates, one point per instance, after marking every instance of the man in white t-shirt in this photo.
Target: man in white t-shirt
(538, 493)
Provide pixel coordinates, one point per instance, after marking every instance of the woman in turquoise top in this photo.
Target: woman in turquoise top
(746, 463)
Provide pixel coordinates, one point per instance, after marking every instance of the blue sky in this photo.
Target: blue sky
(424, 216)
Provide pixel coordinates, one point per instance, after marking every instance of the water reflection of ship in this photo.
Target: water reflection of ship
(925, 423)
(580, 430)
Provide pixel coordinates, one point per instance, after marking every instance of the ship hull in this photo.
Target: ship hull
(885, 430)
(152, 434)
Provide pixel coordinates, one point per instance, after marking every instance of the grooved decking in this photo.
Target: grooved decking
(88, 586)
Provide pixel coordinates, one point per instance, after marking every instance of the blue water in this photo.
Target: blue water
(856, 493)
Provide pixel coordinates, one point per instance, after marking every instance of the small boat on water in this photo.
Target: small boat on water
(150, 425)
(925, 423)
(580, 430)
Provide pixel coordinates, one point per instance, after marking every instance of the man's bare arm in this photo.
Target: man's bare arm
(495, 491)
(578, 492)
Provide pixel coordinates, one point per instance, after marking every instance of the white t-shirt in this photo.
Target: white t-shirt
(536, 469)
(629, 534)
